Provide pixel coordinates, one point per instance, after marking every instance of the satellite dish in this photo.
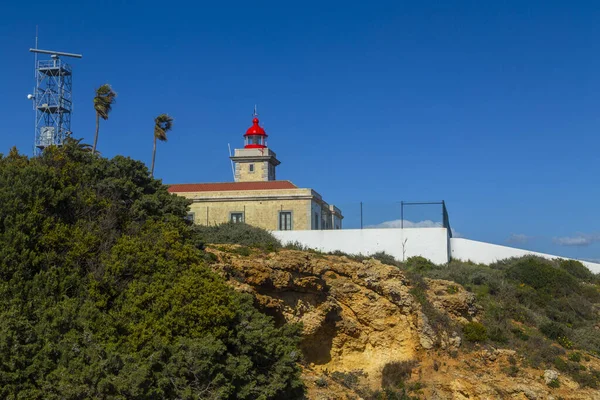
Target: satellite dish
(29, 96)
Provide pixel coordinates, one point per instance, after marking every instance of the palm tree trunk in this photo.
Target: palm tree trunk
(97, 130)
(153, 157)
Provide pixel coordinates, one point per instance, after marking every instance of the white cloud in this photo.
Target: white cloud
(518, 238)
(579, 240)
(398, 223)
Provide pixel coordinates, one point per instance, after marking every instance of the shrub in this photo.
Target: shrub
(585, 379)
(554, 383)
(238, 233)
(348, 379)
(387, 259)
(452, 289)
(296, 246)
(396, 372)
(497, 331)
(520, 333)
(587, 338)
(565, 342)
(475, 332)
(321, 382)
(104, 292)
(561, 364)
(577, 269)
(354, 257)
(242, 251)
(543, 276)
(418, 263)
(553, 330)
(512, 371)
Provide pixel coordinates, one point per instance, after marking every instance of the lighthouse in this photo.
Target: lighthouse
(255, 162)
(256, 197)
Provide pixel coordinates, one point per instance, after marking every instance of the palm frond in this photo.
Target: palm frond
(104, 100)
(162, 124)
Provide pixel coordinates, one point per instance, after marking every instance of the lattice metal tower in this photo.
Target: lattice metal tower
(53, 99)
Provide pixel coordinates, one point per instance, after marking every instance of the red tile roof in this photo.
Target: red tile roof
(218, 187)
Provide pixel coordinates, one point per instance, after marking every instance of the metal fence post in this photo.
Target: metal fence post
(402, 215)
(361, 216)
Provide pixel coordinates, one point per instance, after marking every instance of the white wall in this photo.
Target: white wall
(487, 253)
(431, 243)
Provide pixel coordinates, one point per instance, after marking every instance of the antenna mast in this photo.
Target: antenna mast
(230, 155)
(52, 98)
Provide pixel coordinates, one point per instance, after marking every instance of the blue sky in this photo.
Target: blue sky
(491, 106)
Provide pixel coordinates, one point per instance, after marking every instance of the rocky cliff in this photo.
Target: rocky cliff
(365, 326)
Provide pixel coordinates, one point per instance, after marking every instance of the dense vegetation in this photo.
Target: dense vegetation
(540, 307)
(104, 292)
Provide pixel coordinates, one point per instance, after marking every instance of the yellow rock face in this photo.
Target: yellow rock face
(360, 317)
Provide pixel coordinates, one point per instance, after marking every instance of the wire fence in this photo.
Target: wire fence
(399, 214)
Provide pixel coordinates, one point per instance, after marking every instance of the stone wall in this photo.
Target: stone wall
(263, 213)
(243, 172)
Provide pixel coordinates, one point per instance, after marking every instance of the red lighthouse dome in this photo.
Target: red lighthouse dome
(255, 137)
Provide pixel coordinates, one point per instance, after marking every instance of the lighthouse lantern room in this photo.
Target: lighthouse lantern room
(255, 137)
(255, 162)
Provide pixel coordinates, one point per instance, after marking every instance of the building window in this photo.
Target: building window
(285, 220)
(316, 221)
(236, 217)
(255, 139)
(190, 217)
(251, 167)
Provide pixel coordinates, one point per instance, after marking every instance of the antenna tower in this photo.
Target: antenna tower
(52, 98)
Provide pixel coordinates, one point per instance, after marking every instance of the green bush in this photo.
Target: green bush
(238, 233)
(348, 379)
(418, 263)
(386, 258)
(104, 292)
(512, 370)
(554, 383)
(587, 338)
(242, 251)
(475, 332)
(561, 364)
(296, 246)
(586, 379)
(577, 269)
(520, 333)
(553, 330)
(543, 276)
(396, 372)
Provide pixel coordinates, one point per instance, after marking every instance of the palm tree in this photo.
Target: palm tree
(162, 124)
(103, 102)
